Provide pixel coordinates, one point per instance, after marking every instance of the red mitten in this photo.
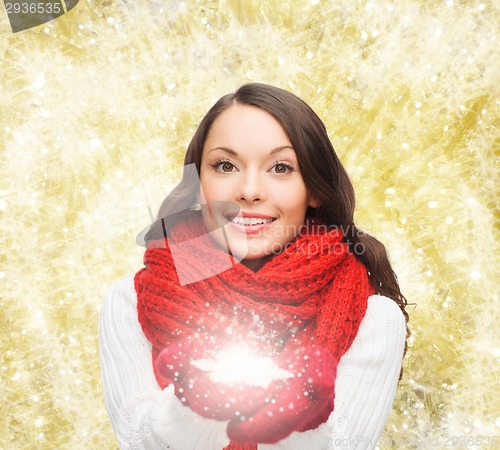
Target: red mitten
(297, 404)
(195, 388)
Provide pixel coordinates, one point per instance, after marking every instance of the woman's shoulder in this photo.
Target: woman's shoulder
(381, 335)
(121, 291)
(384, 307)
(383, 315)
(118, 313)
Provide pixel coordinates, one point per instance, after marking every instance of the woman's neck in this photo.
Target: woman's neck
(255, 264)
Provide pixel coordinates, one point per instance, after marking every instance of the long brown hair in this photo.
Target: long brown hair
(321, 169)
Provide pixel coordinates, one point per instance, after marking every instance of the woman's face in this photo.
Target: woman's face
(251, 184)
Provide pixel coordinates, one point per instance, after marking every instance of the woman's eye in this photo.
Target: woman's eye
(224, 166)
(282, 168)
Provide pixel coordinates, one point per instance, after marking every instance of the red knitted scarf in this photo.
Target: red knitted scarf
(313, 292)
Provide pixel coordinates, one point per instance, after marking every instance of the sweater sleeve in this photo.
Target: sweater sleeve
(142, 415)
(367, 377)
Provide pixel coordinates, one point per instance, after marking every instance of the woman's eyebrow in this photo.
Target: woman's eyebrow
(233, 152)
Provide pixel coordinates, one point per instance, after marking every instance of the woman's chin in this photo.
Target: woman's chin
(248, 251)
(251, 258)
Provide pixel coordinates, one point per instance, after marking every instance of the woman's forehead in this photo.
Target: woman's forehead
(244, 126)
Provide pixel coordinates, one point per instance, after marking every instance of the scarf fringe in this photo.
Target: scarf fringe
(236, 446)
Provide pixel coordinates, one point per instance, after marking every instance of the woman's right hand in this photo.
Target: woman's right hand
(195, 388)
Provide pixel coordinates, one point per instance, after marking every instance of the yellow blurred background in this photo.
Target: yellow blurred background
(97, 108)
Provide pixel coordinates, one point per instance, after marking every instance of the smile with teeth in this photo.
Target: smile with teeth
(249, 221)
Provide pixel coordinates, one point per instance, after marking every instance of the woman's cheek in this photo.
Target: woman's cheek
(215, 188)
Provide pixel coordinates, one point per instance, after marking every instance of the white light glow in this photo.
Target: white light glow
(240, 365)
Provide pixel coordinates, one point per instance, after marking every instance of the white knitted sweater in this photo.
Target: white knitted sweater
(145, 417)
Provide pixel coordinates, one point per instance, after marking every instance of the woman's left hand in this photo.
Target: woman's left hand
(299, 403)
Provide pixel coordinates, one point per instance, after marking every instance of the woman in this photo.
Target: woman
(274, 264)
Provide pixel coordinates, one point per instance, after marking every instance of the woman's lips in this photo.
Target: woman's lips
(249, 223)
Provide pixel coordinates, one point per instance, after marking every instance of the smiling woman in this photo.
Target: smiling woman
(313, 298)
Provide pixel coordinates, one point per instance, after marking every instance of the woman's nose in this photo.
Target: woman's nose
(251, 188)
